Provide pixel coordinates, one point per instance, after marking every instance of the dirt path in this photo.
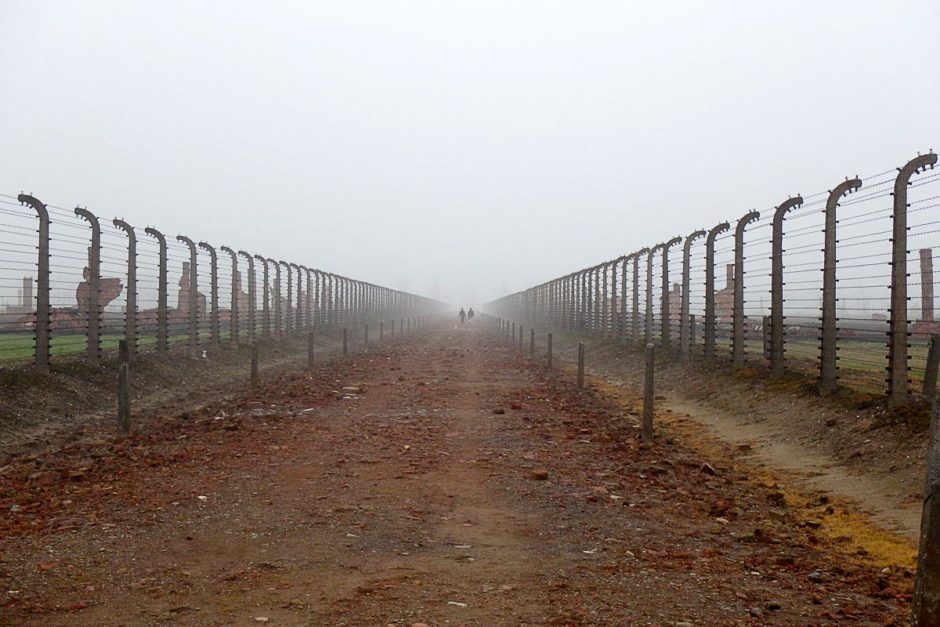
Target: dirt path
(451, 482)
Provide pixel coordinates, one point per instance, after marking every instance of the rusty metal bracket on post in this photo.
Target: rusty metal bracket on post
(94, 286)
(827, 340)
(737, 320)
(233, 307)
(163, 336)
(776, 285)
(193, 298)
(664, 306)
(130, 314)
(43, 308)
(685, 330)
(897, 336)
(213, 291)
(710, 320)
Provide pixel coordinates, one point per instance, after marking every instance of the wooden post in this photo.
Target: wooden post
(580, 365)
(930, 370)
(124, 395)
(532, 342)
(926, 605)
(310, 350)
(254, 365)
(345, 342)
(648, 394)
(549, 350)
(367, 335)
(521, 331)
(381, 331)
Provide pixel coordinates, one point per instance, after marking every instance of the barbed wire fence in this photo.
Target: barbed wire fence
(838, 284)
(72, 284)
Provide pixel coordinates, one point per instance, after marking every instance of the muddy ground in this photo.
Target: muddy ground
(454, 481)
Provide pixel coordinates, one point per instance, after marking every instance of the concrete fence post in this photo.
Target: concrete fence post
(622, 311)
(532, 342)
(94, 286)
(648, 392)
(41, 326)
(251, 295)
(711, 323)
(666, 330)
(233, 313)
(287, 313)
(635, 324)
(254, 365)
(276, 296)
(214, 291)
(580, 365)
(738, 320)
(925, 609)
(265, 296)
(163, 336)
(828, 330)
(193, 292)
(549, 349)
(776, 285)
(930, 370)
(898, 334)
(124, 383)
(685, 335)
(130, 314)
(649, 292)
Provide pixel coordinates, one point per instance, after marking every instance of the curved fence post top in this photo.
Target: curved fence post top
(207, 247)
(787, 205)
(746, 219)
(88, 215)
(842, 189)
(154, 233)
(717, 230)
(671, 243)
(35, 203)
(916, 165)
(187, 241)
(691, 237)
(124, 226)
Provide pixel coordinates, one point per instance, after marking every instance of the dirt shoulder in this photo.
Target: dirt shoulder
(452, 481)
(77, 400)
(845, 447)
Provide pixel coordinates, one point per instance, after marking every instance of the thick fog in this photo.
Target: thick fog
(456, 149)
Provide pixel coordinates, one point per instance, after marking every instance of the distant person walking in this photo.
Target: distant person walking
(462, 315)
(470, 315)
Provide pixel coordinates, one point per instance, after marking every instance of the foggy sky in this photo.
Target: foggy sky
(456, 149)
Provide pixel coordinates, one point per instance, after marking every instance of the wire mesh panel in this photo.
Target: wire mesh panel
(19, 228)
(696, 295)
(864, 277)
(802, 261)
(724, 292)
(923, 237)
(756, 288)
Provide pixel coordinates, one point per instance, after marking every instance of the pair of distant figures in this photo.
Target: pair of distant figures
(465, 316)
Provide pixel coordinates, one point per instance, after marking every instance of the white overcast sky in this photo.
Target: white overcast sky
(456, 148)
